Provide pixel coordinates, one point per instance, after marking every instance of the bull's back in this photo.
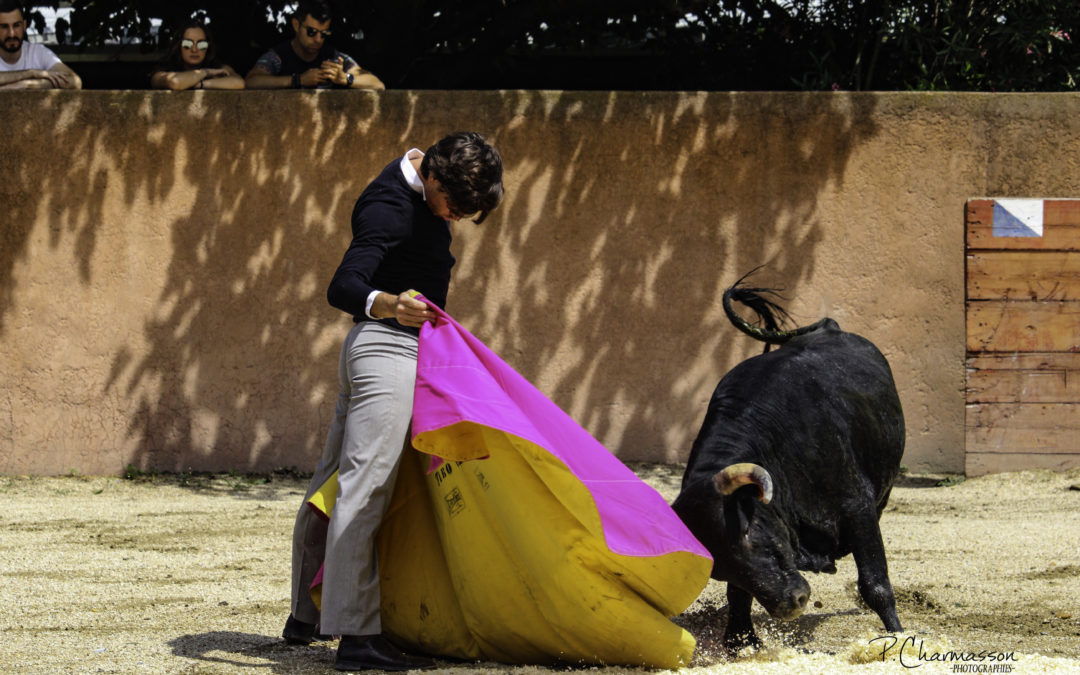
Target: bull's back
(825, 401)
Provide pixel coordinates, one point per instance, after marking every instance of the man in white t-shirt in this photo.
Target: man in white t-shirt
(27, 65)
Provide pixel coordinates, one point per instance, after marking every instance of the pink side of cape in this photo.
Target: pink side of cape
(460, 379)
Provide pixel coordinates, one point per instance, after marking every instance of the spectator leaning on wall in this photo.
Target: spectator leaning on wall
(192, 63)
(307, 60)
(27, 65)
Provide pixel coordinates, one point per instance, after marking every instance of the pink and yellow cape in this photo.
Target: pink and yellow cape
(525, 541)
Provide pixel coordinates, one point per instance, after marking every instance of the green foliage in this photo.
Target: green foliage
(978, 45)
(950, 481)
(200, 480)
(132, 472)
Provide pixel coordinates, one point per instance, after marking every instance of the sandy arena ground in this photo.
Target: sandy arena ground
(189, 574)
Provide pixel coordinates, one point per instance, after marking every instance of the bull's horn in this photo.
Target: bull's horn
(737, 475)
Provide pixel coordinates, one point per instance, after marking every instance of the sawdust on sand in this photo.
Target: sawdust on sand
(189, 574)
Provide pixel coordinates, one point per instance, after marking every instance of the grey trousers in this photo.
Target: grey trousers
(377, 371)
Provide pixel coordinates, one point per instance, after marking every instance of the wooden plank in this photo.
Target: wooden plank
(1061, 227)
(981, 463)
(1008, 326)
(1022, 427)
(1028, 361)
(1023, 275)
(1043, 378)
(1062, 212)
(1023, 338)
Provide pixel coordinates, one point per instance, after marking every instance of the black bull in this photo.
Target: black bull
(793, 467)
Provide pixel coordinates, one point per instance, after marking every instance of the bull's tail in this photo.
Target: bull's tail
(770, 314)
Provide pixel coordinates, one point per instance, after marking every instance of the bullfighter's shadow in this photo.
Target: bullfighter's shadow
(248, 650)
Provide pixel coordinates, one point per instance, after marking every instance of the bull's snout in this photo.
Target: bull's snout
(799, 601)
(794, 603)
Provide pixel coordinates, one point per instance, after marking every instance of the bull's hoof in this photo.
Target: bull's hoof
(734, 642)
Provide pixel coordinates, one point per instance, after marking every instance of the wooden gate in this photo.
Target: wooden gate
(1023, 335)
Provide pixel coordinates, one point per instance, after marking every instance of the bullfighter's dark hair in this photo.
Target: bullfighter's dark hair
(316, 9)
(469, 171)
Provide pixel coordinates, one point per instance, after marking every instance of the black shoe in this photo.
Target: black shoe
(374, 652)
(299, 632)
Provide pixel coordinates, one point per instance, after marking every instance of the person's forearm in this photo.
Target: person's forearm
(348, 293)
(367, 80)
(384, 306)
(225, 82)
(32, 83)
(15, 76)
(176, 80)
(73, 81)
(268, 81)
(186, 79)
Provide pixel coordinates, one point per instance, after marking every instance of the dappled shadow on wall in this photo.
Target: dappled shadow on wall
(628, 215)
(243, 343)
(230, 228)
(598, 279)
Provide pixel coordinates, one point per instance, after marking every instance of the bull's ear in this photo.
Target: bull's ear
(739, 511)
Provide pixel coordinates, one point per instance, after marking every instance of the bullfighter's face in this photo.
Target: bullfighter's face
(438, 201)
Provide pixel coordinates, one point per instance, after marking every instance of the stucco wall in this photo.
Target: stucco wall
(164, 256)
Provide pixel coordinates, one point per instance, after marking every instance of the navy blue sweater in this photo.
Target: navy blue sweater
(398, 244)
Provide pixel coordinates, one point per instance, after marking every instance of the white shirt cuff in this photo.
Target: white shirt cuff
(370, 301)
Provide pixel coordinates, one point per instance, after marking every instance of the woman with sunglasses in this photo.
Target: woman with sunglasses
(192, 63)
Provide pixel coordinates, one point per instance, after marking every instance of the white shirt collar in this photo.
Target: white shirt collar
(412, 177)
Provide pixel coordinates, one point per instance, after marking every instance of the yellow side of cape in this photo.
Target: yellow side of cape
(503, 559)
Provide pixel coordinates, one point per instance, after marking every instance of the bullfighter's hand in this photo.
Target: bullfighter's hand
(404, 307)
(409, 311)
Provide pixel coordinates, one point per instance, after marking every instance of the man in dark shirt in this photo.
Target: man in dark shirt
(400, 244)
(307, 60)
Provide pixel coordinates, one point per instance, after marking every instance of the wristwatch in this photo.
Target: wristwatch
(349, 79)
(296, 80)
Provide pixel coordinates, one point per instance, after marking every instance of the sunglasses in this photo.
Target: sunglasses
(312, 32)
(201, 45)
